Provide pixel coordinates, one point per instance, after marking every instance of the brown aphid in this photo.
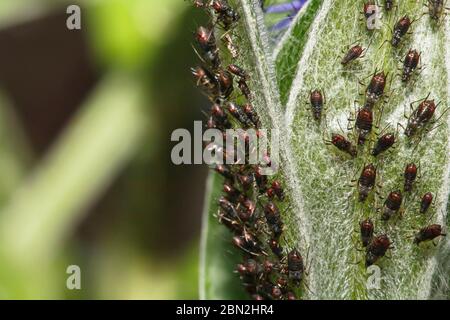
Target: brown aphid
(225, 80)
(238, 113)
(410, 64)
(420, 117)
(246, 210)
(260, 179)
(273, 218)
(238, 71)
(342, 144)
(426, 201)
(206, 80)
(383, 143)
(377, 249)
(366, 231)
(242, 84)
(428, 233)
(224, 171)
(317, 101)
(278, 190)
(352, 54)
(391, 205)
(246, 180)
(252, 115)
(410, 176)
(207, 43)
(400, 29)
(220, 117)
(276, 248)
(364, 122)
(295, 266)
(369, 9)
(228, 208)
(376, 87)
(226, 15)
(290, 296)
(366, 181)
(248, 243)
(231, 193)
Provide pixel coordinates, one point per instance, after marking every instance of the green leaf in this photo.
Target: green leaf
(323, 212)
(329, 203)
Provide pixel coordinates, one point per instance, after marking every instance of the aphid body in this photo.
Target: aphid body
(366, 230)
(376, 88)
(273, 218)
(428, 233)
(383, 143)
(295, 266)
(366, 181)
(410, 176)
(400, 29)
(352, 54)
(316, 99)
(420, 117)
(364, 121)
(377, 249)
(426, 201)
(410, 64)
(343, 144)
(392, 204)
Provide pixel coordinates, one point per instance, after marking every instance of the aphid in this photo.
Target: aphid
(273, 218)
(276, 292)
(317, 101)
(388, 4)
(369, 9)
(226, 15)
(410, 176)
(400, 29)
(392, 205)
(224, 171)
(252, 115)
(410, 64)
(364, 121)
(426, 201)
(246, 180)
(242, 84)
(291, 296)
(230, 46)
(366, 181)
(225, 80)
(276, 248)
(238, 71)
(207, 43)
(435, 9)
(237, 112)
(220, 117)
(366, 231)
(206, 80)
(246, 210)
(261, 180)
(295, 266)
(429, 233)
(248, 242)
(376, 87)
(420, 116)
(383, 143)
(199, 4)
(342, 144)
(352, 54)
(377, 249)
(278, 189)
(231, 193)
(228, 208)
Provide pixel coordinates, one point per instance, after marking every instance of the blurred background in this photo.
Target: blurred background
(85, 172)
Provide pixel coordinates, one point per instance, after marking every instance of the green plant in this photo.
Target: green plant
(323, 211)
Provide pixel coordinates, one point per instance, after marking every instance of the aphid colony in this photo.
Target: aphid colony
(249, 206)
(418, 123)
